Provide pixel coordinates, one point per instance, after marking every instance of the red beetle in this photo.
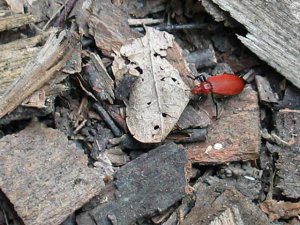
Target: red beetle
(223, 84)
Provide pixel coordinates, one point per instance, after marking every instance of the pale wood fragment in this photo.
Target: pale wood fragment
(52, 57)
(45, 176)
(234, 136)
(273, 28)
(14, 21)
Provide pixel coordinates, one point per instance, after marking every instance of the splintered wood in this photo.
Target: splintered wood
(50, 59)
(45, 176)
(272, 38)
(233, 137)
(159, 96)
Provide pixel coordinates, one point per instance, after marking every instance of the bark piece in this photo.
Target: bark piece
(274, 40)
(15, 21)
(52, 57)
(287, 125)
(233, 137)
(152, 182)
(264, 90)
(160, 95)
(96, 75)
(45, 176)
(106, 23)
(221, 205)
(280, 209)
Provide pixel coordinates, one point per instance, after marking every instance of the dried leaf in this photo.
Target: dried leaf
(159, 96)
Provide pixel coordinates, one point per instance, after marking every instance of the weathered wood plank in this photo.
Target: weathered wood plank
(273, 28)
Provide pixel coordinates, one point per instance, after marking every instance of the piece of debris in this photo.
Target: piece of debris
(106, 23)
(281, 51)
(203, 58)
(51, 58)
(237, 130)
(287, 123)
(280, 209)
(265, 92)
(96, 75)
(219, 204)
(15, 21)
(192, 118)
(147, 185)
(44, 175)
(159, 96)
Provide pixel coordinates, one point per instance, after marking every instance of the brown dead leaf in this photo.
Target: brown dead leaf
(158, 98)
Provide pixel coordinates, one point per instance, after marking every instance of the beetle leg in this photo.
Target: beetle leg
(216, 105)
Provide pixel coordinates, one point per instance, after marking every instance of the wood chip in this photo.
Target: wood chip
(273, 39)
(51, 58)
(15, 21)
(96, 75)
(265, 92)
(280, 209)
(44, 175)
(236, 133)
(219, 205)
(191, 118)
(106, 23)
(151, 183)
(160, 95)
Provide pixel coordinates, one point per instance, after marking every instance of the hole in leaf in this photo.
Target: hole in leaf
(164, 114)
(139, 69)
(174, 79)
(156, 127)
(127, 61)
(163, 79)
(156, 54)
(148, 103)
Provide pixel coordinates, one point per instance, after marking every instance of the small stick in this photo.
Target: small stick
(107, 119)
(216, 104)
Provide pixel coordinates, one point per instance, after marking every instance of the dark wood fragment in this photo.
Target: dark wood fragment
(107, 119)
(221, 68)
(45, 176)
(128, 142)
(203, 58)
(114, 112)
(287, 123)
(217, 204)
(22, 112)
(149, 184)
(192, 118)
(60, 20)
(96, 75)
(188, 135)
(265, 92)
(290, 99)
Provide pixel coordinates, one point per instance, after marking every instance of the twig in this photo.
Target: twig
(145, 21)
(107, 119)
(170, 27)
